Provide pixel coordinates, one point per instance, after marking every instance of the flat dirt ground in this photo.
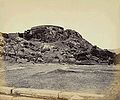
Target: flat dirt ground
(99, 79)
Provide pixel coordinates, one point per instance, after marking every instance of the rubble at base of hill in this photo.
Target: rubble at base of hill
(53, 44)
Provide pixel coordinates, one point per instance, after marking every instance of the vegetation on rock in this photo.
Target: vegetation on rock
(53, 44)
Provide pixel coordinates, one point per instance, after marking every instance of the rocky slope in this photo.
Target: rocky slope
(53, 44)
(117, 58)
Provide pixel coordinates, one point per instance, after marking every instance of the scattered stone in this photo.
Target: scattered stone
(53, 44)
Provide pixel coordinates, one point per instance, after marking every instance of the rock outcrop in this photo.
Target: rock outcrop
(53, 44)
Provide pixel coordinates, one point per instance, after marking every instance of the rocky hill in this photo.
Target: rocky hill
(117, 51)
(53, 44)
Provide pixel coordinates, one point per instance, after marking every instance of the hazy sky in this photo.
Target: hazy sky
(98, 21)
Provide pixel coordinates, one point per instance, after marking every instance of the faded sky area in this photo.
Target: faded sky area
(98, 21)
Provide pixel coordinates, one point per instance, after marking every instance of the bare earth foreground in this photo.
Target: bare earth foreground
(84, 78)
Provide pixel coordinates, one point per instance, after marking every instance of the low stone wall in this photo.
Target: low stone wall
(11, 93)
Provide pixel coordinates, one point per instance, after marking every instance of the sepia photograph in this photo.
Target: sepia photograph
(59, 49)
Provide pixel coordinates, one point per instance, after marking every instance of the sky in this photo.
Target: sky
(98, 21)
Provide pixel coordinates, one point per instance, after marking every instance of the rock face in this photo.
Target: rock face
(53, 44)
(117, 61)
